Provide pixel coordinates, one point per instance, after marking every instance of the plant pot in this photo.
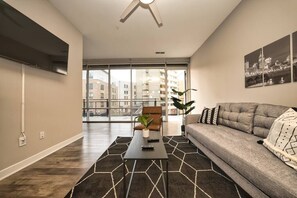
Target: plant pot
(182, 128)
(145, 133)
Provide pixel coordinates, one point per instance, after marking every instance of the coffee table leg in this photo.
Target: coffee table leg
(124, 180)
(132, 174)
(167, 187)
(163, 178)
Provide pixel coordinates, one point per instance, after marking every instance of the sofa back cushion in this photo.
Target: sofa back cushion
(237, 115)
(264, 117)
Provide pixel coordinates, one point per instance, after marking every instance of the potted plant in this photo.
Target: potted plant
(146, 121)
(186, 108)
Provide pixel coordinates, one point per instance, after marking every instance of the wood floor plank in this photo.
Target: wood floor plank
(56, 174)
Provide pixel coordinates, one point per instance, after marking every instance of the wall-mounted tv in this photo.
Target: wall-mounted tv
(22, 40)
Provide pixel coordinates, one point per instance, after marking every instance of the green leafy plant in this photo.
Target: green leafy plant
(187, 107)
(145, 120)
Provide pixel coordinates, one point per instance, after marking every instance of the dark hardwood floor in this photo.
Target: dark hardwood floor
(56, 174)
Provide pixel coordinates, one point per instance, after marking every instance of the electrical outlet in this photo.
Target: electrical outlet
(41, 135)
(22, 141)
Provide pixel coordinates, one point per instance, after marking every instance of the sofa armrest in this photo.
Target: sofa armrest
(192, 118)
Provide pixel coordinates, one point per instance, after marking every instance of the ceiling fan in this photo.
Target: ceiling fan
(133, 5)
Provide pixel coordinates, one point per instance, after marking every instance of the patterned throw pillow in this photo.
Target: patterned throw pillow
(282, 138)
(210, 116)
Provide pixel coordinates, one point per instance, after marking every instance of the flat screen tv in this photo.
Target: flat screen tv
(22, 40)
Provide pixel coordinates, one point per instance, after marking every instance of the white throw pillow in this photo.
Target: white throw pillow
(282, 138)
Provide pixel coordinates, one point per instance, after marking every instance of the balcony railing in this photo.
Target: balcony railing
(118, 107)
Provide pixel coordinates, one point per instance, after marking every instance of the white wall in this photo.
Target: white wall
(53, 101)
(217, 68)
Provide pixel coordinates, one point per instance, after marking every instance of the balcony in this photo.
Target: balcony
(119, 109)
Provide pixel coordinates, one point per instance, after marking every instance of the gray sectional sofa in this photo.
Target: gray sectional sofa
(232, 145)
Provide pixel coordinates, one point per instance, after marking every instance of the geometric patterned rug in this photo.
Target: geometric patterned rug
(191, 174)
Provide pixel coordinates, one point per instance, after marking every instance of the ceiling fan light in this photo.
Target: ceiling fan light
(146, 1)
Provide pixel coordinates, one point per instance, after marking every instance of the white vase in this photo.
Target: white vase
(145, 133)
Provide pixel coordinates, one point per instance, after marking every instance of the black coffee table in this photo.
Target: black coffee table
(135, 152)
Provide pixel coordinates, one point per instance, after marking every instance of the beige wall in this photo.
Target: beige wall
(217, 68)
(52, 101)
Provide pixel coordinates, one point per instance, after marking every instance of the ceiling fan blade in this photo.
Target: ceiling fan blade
(129, 9)
(155, 12)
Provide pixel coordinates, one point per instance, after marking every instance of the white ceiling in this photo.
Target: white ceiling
(186, 25)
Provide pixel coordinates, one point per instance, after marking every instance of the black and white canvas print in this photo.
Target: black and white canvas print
(253, 67)
(277, 64)
(295, 56)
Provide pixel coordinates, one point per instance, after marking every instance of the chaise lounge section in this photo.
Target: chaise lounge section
(232, 145)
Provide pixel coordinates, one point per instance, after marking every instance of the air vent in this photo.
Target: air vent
(159, 52)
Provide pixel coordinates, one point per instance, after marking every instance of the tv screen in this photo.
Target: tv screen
(24, 41)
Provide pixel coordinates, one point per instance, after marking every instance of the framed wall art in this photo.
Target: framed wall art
(271, 65)
(277, 62)
(294, 37)
(253, 67)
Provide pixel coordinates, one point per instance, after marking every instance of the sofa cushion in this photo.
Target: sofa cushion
(282, 138)
(264, 117)
(237, 115)
(253, 161)
(210, 115)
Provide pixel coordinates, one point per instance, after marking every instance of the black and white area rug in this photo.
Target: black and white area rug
(191, 174)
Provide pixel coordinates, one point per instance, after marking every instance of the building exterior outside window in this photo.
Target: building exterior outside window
(147, 85)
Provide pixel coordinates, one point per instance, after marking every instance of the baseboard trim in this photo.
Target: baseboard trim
(30, 160)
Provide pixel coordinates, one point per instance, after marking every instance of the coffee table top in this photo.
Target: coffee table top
(135, 151)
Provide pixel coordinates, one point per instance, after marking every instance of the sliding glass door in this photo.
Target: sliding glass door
(149, 88)
(120, 108)
(176, 80)
(117, 93)
(96, 88)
